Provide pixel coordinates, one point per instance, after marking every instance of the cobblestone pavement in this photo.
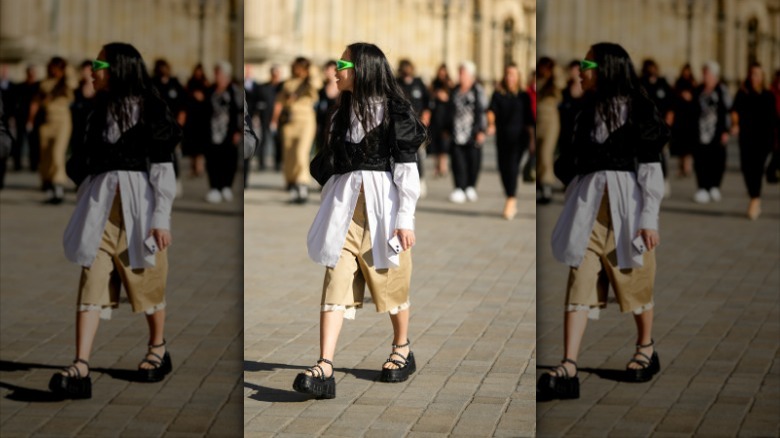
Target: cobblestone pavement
(204, 332)
(473, 323)
(717, 326)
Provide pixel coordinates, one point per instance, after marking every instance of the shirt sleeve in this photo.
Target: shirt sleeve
(166, 132)
(407, 180)
(409, 135)
(651, 183)
(163, 181)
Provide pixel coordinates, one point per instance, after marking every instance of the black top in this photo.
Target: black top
(151, 140)
(639, 140)
(395, 140)
(513, 115)
(417, 94)
(756, 117)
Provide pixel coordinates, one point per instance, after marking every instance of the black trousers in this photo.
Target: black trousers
(709, 163)
(752, 162)
(221, 164)
(510, 151)
(466, 161)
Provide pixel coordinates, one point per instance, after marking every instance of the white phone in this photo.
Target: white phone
(395, 244)
(151, 244)
(639, 244)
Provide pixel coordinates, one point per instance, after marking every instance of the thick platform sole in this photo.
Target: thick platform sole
(71, 387)
(644, 374)
(156, 374)
(321, 389)
(550, 387)
(399, 374)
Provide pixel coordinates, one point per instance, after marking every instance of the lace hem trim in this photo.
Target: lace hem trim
(106, 311)
(350, 311)
(595, 311)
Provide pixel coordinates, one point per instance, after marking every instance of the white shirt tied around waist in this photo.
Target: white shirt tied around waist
(634, 201)
(391, 200)
(146, 203)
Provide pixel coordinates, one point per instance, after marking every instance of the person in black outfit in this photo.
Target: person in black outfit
(753, 118)
(225, 133)
(509, 116)
(683, 120)
(467, 125)
(172, 92)
(415, 90)
(659, 91)
(196, 125)
(438, 104)
(328, 97)
(27, 124)
(83, 104)
(265, 107)
(709, 157)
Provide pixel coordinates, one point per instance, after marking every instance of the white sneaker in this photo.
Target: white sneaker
(701, 197)
(715, 194)
(227, 194)
(213, 196)
(457, 196)
(471, 194)
(293, 194)
(303, 192)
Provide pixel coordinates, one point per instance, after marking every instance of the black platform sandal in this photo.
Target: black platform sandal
(404, 370)
(559, 385)
(317, 384)
(162, 365)
(650, 365)
(72, 385)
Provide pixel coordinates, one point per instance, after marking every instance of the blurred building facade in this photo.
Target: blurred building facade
(182, 31)
(427, 32)
(673, 32)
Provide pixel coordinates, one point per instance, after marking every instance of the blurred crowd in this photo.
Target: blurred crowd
(702, 112)
(47, 116)
(292, 115)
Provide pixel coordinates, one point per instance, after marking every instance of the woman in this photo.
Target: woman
(683, 121)
(120, 229)
(711, 119)
(370, 176)
(609, 225)
(226, 118)
(295, 116)
(196, 125)
(509, 117)
(440, 140)
(54, 99)
(548, 129)
(753, 118)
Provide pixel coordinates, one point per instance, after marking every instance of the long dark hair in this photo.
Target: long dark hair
(748, 84)
(374, 80)
(616, 80)
(128, 78)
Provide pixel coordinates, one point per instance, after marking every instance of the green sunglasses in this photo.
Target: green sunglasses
(99, 65)
(587, 65)
(341, 65)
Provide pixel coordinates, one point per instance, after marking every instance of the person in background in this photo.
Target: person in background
(754, 119)
(571, 105)
(416, 92)
(682, 119)
(440, 90)
(548, 128)
(171, 90)
(53, 102)
(510, 119)
(661, 94)
(225, 133)
(83, 104)
(327, 99)
(268, 92)
(27, 131)
(6, 140)
(295, 117)
(467, 125)
(712, 122)
(251, 99)
(196, 125)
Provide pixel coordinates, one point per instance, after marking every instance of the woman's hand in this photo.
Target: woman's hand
(162, 237)
(406, 237)
(651, 238)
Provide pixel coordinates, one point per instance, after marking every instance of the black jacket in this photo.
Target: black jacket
(639, 140)
(151, 140)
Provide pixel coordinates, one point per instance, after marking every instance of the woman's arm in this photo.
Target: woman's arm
(409, 136)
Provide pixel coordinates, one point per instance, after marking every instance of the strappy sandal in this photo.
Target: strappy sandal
(72, 384)
(161, 366)
(559, 385)
(404, 370)
(317, 384)
(650, 365)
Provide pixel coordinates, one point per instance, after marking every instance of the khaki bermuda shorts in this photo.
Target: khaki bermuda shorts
(100, 282)
(588, 283)
(345, 283)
